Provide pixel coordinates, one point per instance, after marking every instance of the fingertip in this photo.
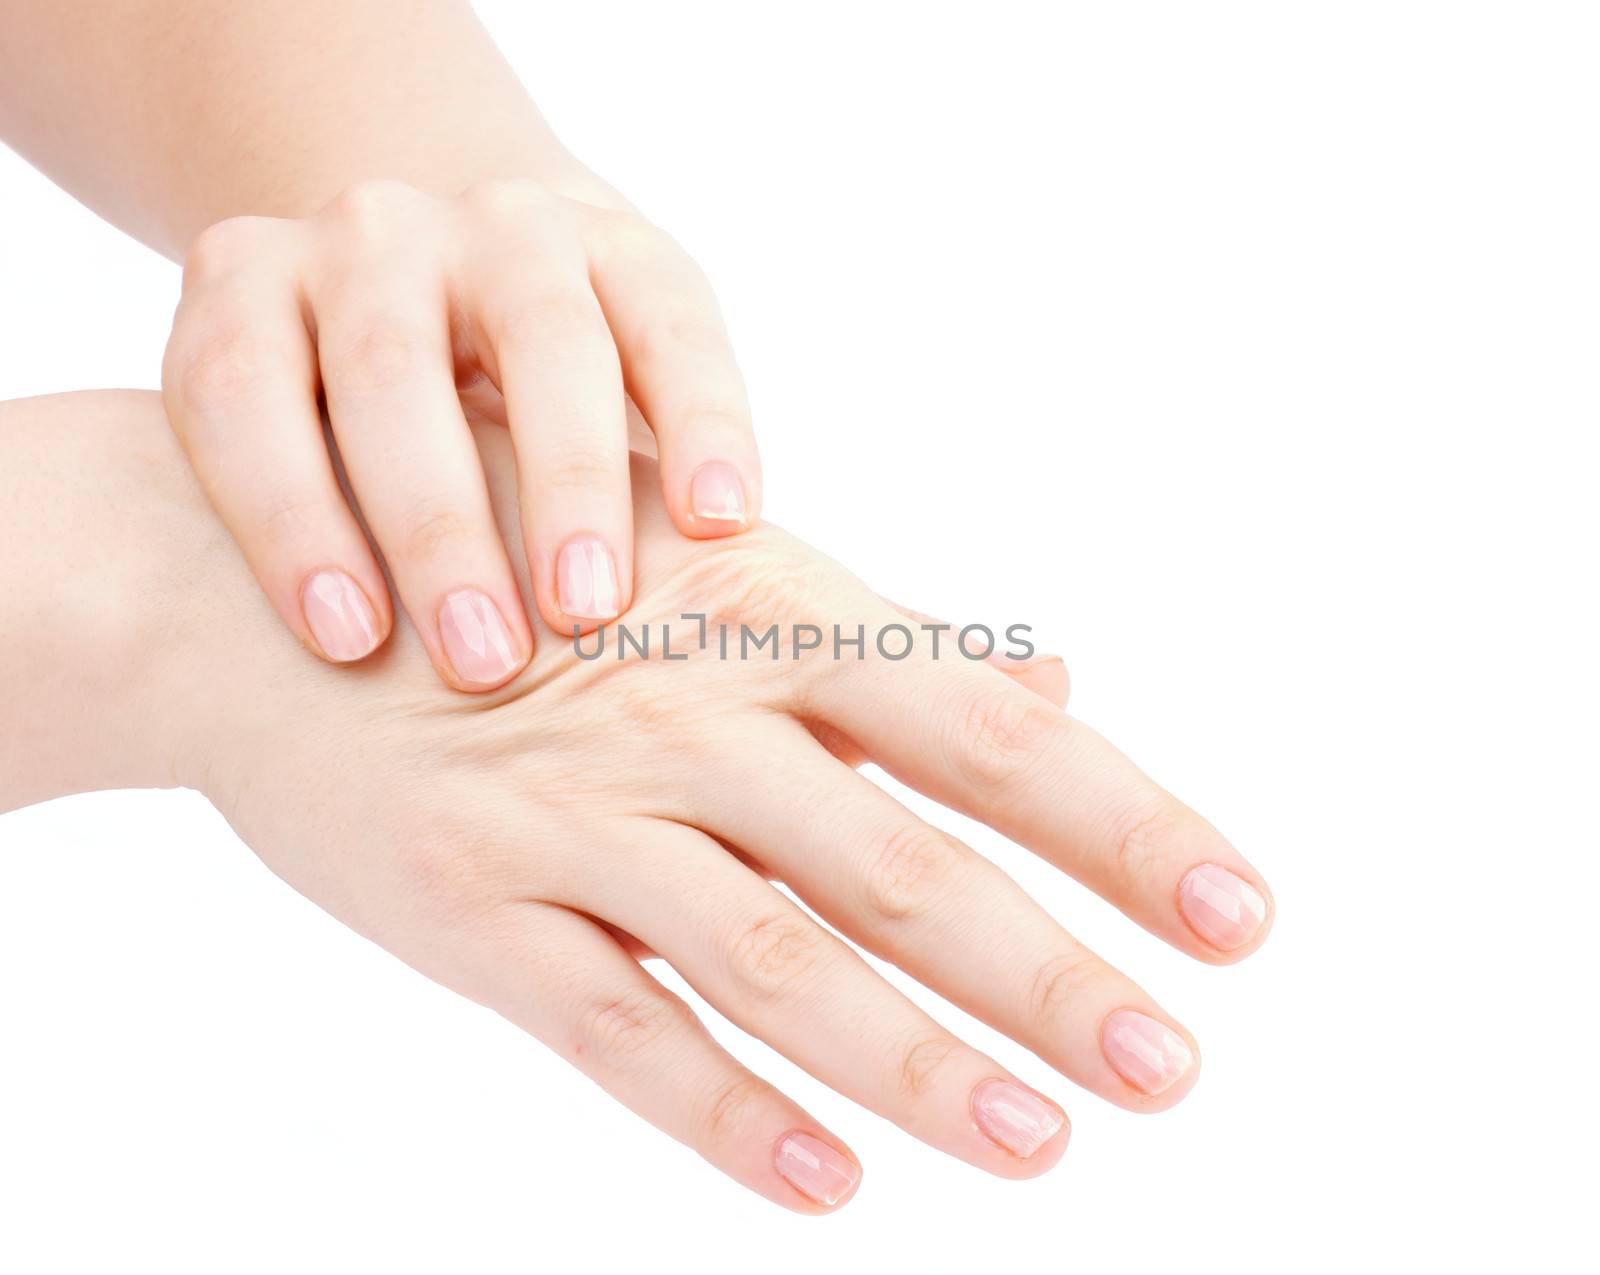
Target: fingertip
(482, 652)
(1157, 1062)
(1030, 1128)
(720, 502)
(592, 586)
(1229, 910)
(823, 1175)
(340, 617)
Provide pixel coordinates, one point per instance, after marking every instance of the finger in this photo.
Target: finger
(387, 369)
(973, 740)
(239, 385)
(777, 974)
(1044, 675)
(680, 370)
(557, 976)
(553, 356)
(916, 896)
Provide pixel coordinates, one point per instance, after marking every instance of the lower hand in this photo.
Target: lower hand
(525, 848)
(529, 846)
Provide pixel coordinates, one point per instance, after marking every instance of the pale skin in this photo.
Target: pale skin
(372, 215)
(530, 848)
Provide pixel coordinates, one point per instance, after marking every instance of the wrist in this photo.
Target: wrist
(104, 535)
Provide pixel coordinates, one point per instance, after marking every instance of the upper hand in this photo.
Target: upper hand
(388, 303)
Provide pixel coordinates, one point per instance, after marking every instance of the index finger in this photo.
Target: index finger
(969, 737)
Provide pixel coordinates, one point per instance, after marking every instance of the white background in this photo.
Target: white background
(1246, 350)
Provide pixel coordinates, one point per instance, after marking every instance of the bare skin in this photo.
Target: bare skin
(372, 213)
(528, 848)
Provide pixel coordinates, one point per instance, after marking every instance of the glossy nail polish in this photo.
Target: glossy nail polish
(717, 495)
(476, 640)
(1222, 908)
(815, 1169)
(1016, 1118)
(339, 616)
(1149, 1055)
(586, 580)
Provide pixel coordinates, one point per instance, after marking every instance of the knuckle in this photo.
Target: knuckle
(758, 581)
(922, 1059)
(619, 235)
(578, 467)
(910, 869)
(381, 355)
(734, 1108)
(428, 528)
(288, 518)
(1060, 983)
(224, 247)
(627, 1025)
(1139, 836)
(559, 319)
(225, 364)
(691, 336)
(772, 955)
(373, 212)
(456, 883)
(722, 417)
(507, 198)
(1001, 737)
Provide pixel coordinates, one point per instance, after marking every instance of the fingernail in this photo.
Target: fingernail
(1001, 659)
(716, 494)
(586, 580)
(476, 640)
(1044, 674)
(339, 616)
(1225, 910)
(1016, 1118)
(1148, 1055)
(815, 1169)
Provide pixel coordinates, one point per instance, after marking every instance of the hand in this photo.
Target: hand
(390, 302)
(529, 846)
(525, 848)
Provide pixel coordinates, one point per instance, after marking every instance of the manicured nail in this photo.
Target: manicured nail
(586, 580)
(815, 1169)
(339, 616)
(476, 640)
(1149, 1056)
(716, 494)
(1225, 910)
(1017, 1118)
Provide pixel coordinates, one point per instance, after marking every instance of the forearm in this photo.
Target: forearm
(168, 115)
(117, 585)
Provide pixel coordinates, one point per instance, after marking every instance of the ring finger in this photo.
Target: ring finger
(769, 968)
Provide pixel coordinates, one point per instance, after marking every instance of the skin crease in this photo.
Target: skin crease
(369, 207)
(481, 839)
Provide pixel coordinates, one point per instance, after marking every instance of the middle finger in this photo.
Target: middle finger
(950, 918)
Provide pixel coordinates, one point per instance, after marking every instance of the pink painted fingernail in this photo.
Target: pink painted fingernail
(1148, 1055)
(815, 1169)
(339, 616)
(476, 640)
(716, 494)
(1016, 1118)
(1224, 909)
(586, 580)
